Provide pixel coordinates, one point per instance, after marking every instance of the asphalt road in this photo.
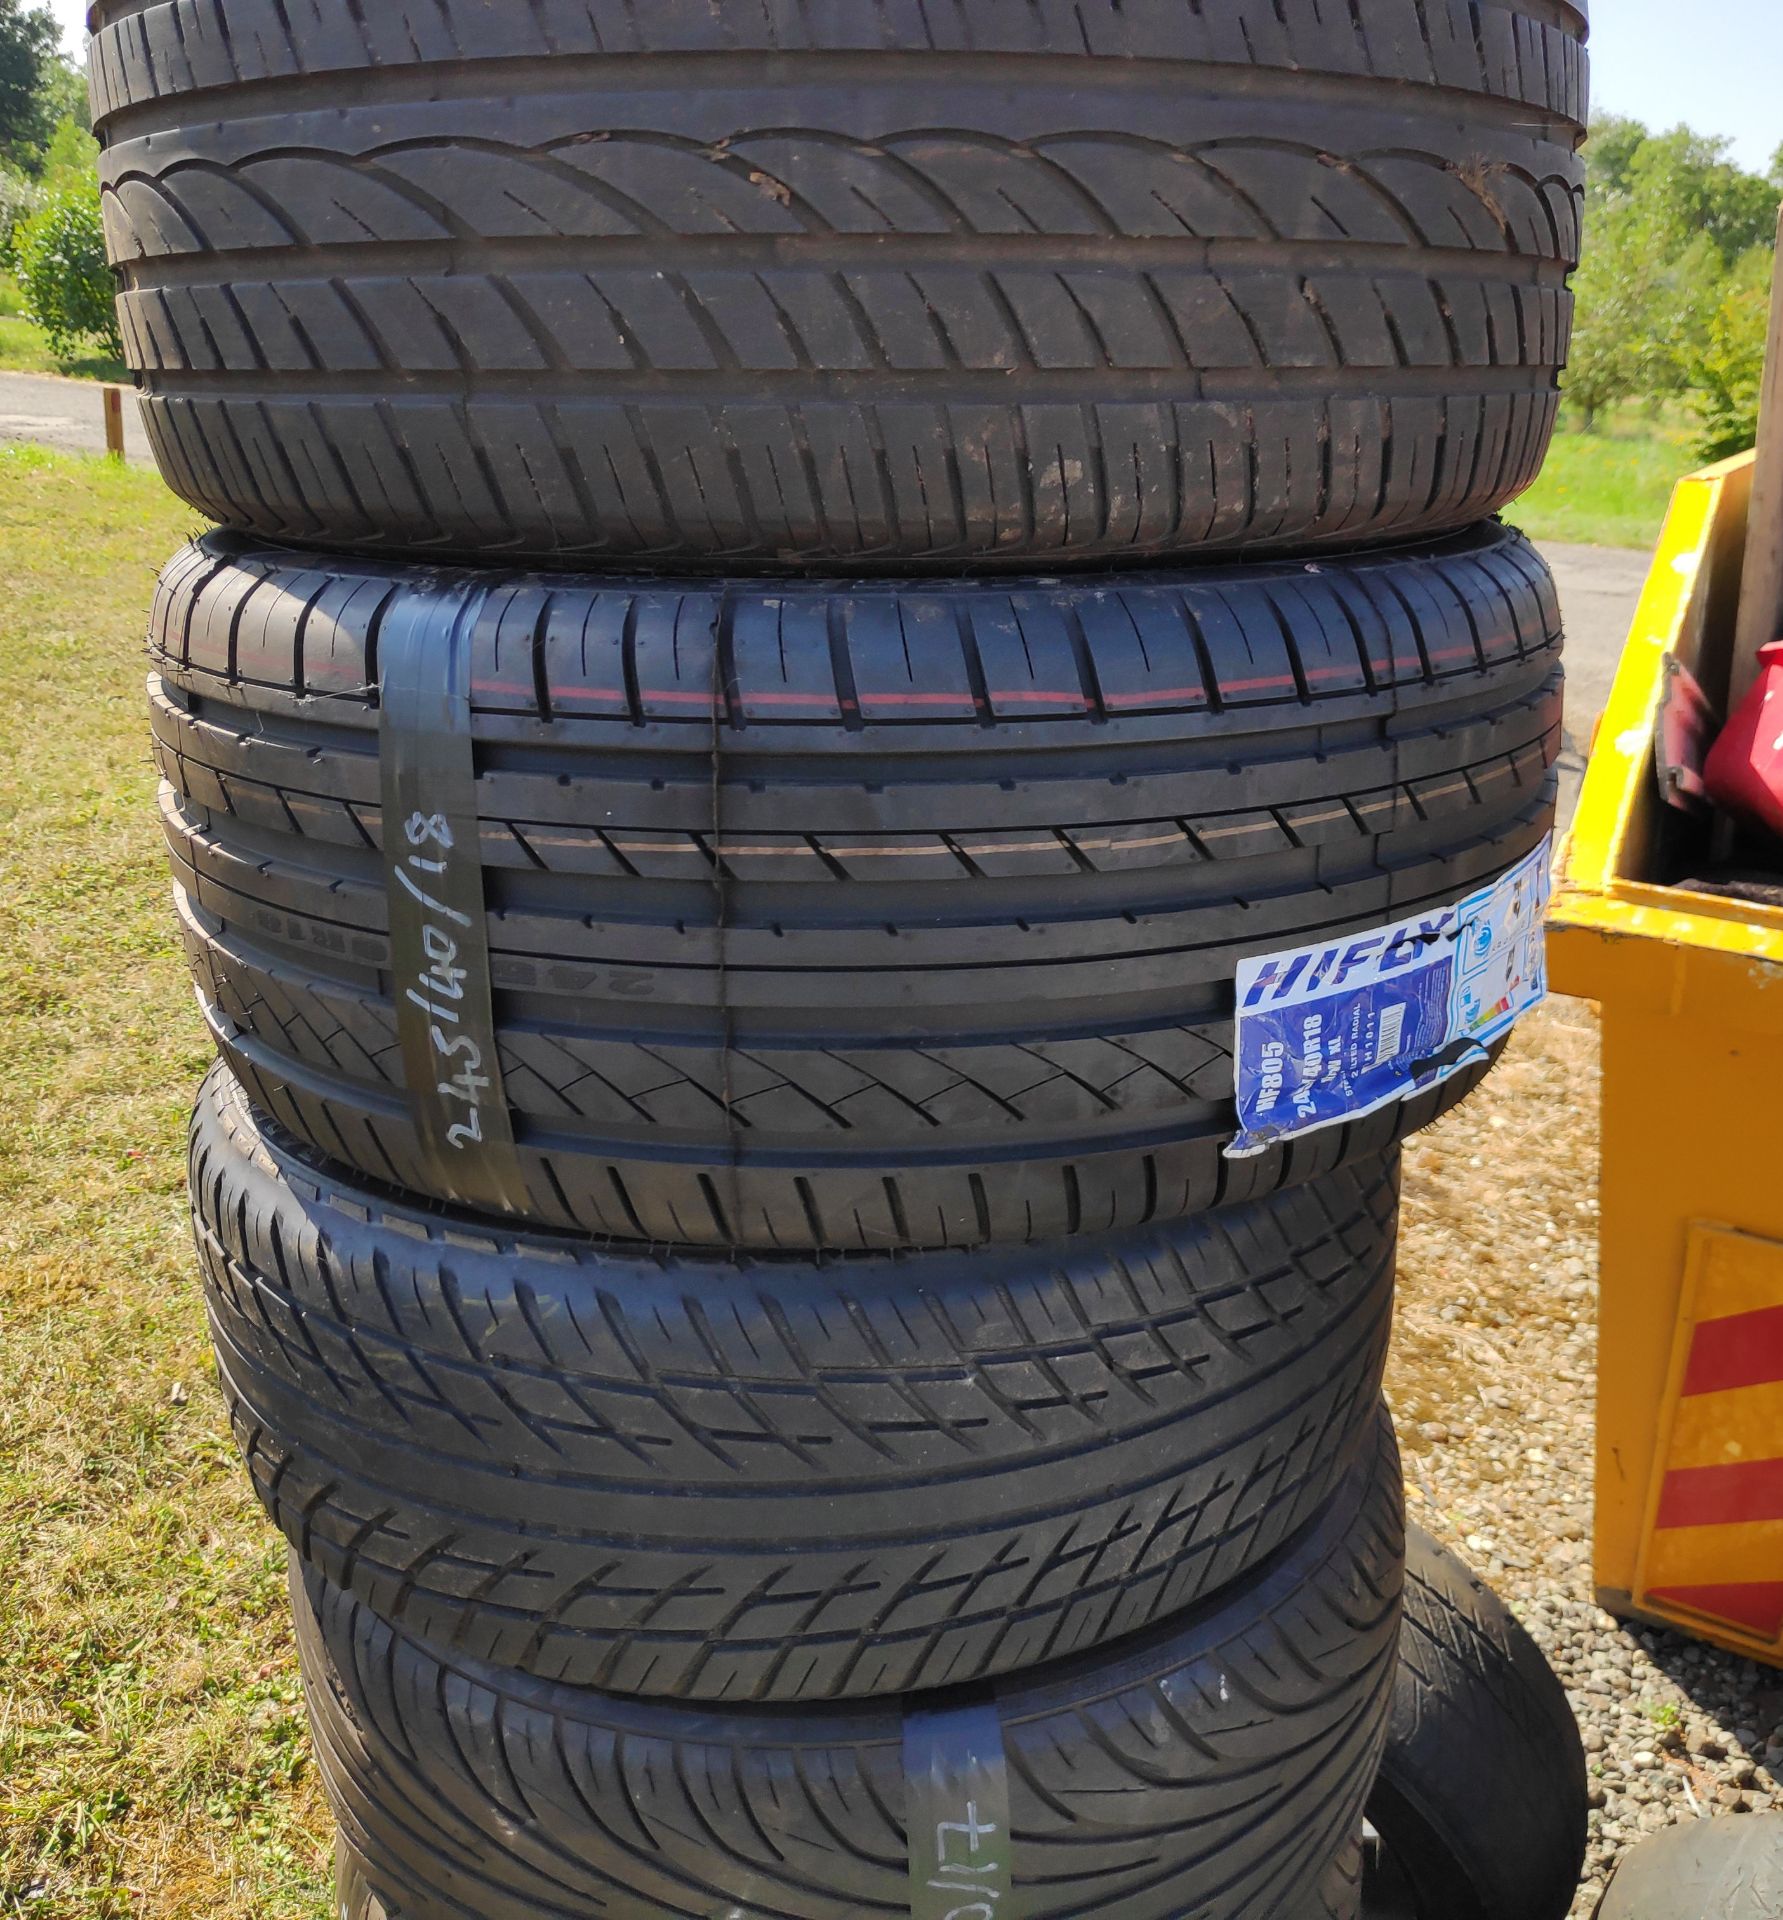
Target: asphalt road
(1599, 586)
(1599, 590)
(66, 414)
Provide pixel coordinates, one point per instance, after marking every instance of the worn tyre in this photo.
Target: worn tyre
(848, 918)
(1340, 1893)
(353, 1895)
(1706, 1870)
(866, 281)
(1210, 1769)
(1481, 1801)
(779, 1479)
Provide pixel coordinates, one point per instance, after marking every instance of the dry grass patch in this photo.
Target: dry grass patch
(152, 1754)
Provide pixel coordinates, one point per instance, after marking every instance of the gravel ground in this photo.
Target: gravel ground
(1492, 1385)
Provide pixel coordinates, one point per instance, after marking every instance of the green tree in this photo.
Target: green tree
(1615, 140)
(65, 94)
(1675, 236)
(72, 155)
(1686, 186)
(1622, 314)
(20, 197)
(1722, 362)
(30, 55)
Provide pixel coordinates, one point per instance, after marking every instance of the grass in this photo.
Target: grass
(24, 348)
(1609, 488)
(153, 1761)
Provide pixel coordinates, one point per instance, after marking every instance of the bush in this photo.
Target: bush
(58, 255)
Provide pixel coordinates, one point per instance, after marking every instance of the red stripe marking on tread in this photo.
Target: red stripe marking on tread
(998, 696)
(526, 691)
(1152, 698)
(750, 698)
(1728, 1496)
(1757, 1605)
(1743, 1350)
(1250, 686)
(909, 697)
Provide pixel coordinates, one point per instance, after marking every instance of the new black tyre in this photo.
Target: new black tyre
(861, 281)
(1337, 1897)
(1481, 1800)
(1210, 1769)
(779, 1479)
(833, 917)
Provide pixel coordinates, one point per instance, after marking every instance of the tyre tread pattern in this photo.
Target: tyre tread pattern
(568, 1462)
(742, 996)
(1212, 1769)
(695, 312)
(1528, 54)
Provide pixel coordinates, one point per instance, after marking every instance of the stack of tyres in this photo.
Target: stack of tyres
(802, 585)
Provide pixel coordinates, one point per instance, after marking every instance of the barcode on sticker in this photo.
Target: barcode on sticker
(1392, 1028)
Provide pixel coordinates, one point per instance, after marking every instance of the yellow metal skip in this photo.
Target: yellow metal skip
(1690, 1359)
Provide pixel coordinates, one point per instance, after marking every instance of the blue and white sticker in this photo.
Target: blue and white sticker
(1333, 1032)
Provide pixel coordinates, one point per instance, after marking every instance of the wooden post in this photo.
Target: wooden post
(114, 422)
(1761, 585)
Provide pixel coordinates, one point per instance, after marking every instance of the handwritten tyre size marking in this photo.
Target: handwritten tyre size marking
(962, 1864)
(439, 943)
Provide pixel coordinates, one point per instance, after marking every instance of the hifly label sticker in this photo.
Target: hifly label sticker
(1336, 1031)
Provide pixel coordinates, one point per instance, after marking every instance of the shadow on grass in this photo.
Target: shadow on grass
(96, 367)
(24, 348)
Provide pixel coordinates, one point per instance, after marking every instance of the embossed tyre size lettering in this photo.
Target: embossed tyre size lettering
(1211, 1768)
(781, 1478)
(860, 282)
(844, 917)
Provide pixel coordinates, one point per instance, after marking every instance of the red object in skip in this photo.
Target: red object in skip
(1744, 774)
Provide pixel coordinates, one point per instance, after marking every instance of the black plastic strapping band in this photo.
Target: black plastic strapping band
(962, 1857)
(439, 931)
